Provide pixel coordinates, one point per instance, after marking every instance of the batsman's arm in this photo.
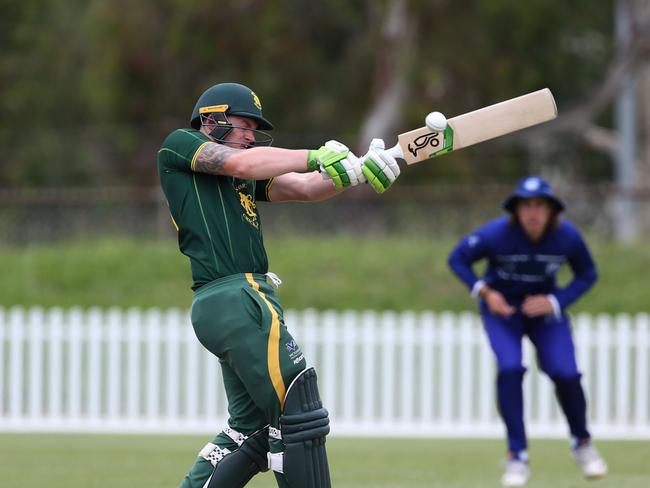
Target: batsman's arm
(299, 187)
(257, 163)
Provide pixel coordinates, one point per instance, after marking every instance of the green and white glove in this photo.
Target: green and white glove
(336, 162)
(379, 167)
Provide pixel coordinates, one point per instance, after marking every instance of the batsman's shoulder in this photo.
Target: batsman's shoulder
(183, 136)
(179, 149)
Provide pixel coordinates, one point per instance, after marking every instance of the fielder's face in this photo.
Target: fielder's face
(242, 135)
(534, 215)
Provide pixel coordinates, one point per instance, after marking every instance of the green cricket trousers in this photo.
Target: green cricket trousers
(239, 319)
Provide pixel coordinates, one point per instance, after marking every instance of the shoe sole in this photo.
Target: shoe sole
(595, 477)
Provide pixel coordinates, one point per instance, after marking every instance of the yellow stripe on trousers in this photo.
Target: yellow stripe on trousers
(273, 350)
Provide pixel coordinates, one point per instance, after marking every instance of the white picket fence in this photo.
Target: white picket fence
(380, 374)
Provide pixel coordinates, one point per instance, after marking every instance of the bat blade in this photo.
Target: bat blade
(477, 126)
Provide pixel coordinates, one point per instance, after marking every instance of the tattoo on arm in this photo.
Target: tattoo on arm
(212, 158)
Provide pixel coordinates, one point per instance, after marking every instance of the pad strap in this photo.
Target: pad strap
(235, 469)
(213, 453)
(275, 433)
(237, 437)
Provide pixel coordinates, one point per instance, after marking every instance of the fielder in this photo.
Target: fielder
(519, 296)
(213, 175)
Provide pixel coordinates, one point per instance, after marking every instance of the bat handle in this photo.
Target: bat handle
(396, 151)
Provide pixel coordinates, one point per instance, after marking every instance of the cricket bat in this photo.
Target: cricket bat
(477, 126)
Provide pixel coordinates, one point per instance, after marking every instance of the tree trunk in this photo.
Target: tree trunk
(394, 60)
(642, 13)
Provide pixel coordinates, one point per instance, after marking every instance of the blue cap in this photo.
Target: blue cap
(529, 187)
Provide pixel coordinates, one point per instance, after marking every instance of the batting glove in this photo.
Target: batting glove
(379, 167)
(336, 162)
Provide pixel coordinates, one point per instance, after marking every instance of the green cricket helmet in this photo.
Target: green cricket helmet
(225, 99)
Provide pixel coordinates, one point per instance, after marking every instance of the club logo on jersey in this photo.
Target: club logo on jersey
(256, 101)
(551, 268)
(250, 209)
(295, 354)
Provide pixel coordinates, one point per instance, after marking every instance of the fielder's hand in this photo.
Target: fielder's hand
(496, 302)
(537, 305)
(336, 162)
(379, 167)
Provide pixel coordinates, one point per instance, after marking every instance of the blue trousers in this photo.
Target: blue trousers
(556, 357)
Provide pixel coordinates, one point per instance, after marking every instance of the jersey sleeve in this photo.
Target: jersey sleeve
(179, 150)
(473, 247)
(583, 268)
(262, 188)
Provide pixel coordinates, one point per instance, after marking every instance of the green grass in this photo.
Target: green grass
(336, 272)
(107, 461)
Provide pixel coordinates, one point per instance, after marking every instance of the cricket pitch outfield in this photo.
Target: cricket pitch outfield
(112, 461)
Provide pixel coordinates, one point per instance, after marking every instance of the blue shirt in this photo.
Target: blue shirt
(518, 267)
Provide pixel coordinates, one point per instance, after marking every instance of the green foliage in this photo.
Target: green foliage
(89, 94)
(112, 461)
(379, 274)
(103, 273)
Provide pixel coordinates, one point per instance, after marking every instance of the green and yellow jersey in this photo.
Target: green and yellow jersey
(216, 216)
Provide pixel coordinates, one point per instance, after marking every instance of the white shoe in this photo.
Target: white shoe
(592, 464)
(517, 473)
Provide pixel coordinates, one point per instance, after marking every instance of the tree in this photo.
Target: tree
(102, 88)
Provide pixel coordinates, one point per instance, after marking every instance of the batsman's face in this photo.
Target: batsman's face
(242, 135)
(534, 215)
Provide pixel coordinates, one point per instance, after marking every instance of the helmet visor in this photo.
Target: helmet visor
(220, 128)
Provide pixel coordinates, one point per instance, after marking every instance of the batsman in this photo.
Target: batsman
(213, 174)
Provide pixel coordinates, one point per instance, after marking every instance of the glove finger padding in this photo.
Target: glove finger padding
(350, 164)
(336, 146)
(354, 171)
(380, 169)
(335, 161)
(345, 172)
(329, 153)
(337, 172)
(377, 144)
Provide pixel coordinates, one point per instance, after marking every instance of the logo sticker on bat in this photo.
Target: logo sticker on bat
(430, 139)
(440, 142)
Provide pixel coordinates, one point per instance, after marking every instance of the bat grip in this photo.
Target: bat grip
(396, 151)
